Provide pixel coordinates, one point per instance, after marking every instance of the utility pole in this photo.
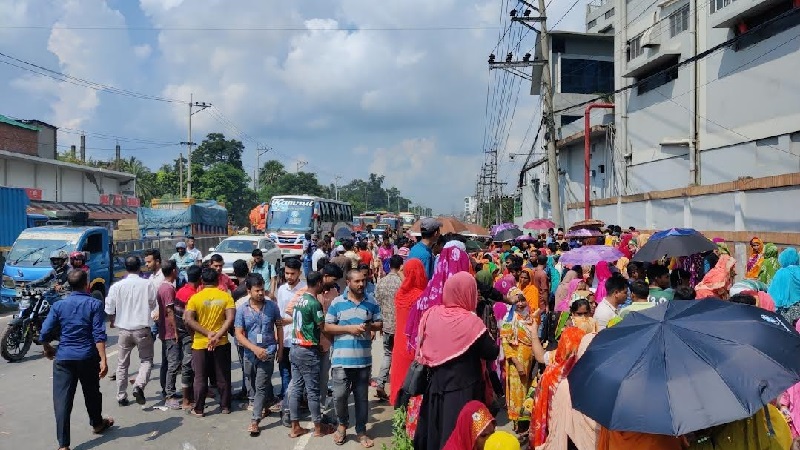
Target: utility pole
(180, 173)
(336, 185)
(366, 198)
(117, 157)
(192, 104)
(83, 147)
(547, 90)
(259, 151)
(300, 165)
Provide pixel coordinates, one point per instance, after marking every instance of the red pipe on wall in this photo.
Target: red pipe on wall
(587, 204)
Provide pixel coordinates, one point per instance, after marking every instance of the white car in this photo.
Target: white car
(241, 247)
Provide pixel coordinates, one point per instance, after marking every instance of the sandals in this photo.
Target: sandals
(365, 441)
(339, 436)
(107, 423)
(253, 429)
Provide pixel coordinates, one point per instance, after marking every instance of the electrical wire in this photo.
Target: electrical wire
(348, 29)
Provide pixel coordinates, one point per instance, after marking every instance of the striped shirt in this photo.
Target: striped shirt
(352, 352)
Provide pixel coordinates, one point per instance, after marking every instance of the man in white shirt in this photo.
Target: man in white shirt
(129, 304)
(617, 293)
(319, 253)
(190, 249)
(288, 294)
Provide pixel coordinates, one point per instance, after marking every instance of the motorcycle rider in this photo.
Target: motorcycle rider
(58, 260)
(78, 261)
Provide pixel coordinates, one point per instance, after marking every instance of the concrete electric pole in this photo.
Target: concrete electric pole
(192, 104)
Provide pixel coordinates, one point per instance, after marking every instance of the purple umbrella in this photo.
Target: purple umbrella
(525, 238)
(583, 233)
(502, 227)
(589, 255)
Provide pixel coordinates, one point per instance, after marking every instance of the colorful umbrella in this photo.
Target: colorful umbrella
(525, 238)
(588, 223)
(589, 255)
(508, 234)
(502, 227)
(539, 224)
(685, 365)
(674, 242)
(583, 233)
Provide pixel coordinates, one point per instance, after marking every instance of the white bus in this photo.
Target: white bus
(291, 217)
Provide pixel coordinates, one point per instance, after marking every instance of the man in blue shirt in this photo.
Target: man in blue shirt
(429, 230)
(351, 319)
(78, 323)
(259, 332)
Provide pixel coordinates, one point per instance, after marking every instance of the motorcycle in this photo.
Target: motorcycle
(24, 329)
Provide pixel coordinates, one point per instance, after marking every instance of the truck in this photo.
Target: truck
(29, 258)
(181, 218)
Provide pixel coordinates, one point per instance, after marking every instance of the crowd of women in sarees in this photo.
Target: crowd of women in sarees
(489, 337)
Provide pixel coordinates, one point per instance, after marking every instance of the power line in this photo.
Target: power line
(59, 76)
(348, 29)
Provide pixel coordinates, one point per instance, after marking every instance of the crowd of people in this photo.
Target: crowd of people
(498, 329)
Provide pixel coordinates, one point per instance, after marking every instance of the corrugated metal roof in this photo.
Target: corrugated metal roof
(13, 215)
(96, 212)
(15, 123)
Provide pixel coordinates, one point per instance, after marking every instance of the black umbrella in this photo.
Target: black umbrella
(674, 242)
(684, 366)
(507, 235)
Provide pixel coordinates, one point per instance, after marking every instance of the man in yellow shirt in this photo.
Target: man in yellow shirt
(210, 313)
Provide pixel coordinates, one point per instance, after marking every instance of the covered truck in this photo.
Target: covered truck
(183, 218)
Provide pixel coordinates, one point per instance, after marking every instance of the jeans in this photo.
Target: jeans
(259, 375)
(305, 377)
(142, 339)
(174, 353)
(285, 369)
(324, 378)
(162, 368)
(66, 375)
(357, 381)
(187, 373)
(388, 344)
(307, 265)
(245, 374)
(220, 360)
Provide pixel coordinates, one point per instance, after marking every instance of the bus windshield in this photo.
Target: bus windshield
(409, 220)
(290, 214)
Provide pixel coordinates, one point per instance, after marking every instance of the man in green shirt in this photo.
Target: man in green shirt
(640, 294)
(660, 291)
(308, 321)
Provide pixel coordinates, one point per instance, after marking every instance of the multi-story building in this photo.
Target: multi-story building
(28, 160)
(470, 208)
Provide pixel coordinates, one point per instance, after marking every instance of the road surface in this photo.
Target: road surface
(27, 422)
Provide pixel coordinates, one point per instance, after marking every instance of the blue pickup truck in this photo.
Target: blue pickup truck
(29, 258)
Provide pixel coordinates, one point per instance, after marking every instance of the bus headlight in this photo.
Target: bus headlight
(8, 282)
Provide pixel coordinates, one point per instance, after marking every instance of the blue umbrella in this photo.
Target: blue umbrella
(684, 366)
(673, 242)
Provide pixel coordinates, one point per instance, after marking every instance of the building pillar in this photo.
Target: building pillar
(687, 212)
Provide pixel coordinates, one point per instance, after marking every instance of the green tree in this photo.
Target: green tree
(270, 172)
(227, 184)
(216, 149)
(146, 186)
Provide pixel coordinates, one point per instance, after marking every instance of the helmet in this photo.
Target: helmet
(76, 254)
(58, 254)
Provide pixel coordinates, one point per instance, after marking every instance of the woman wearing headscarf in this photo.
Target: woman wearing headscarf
(454, 343)
(473, 427)
(563, 291)
(718, 281)
(558, 367)
(756, 432)
(756, 258)
(451, 261)
(757, 290)
(554, 273)
(529, 290)
(785, 286)
(516, 334)
(769, 265)
(569, 428)
(602, 273)
(410, 290)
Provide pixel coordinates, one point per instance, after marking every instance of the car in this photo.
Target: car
(241, 247)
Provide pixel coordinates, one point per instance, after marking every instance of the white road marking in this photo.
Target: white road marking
(302, 441)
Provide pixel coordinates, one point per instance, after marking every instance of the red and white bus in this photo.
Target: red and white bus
(291, 217)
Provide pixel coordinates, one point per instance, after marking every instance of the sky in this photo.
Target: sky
(394, 87)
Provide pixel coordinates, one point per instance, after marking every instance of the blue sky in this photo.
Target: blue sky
(410, 105)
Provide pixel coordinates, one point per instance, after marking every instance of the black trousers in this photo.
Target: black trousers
(66, 375)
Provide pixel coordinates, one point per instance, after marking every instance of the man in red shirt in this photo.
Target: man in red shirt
(185, 336)
(225, 282)
(364, 254)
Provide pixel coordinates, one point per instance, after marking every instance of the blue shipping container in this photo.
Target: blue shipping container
(13, 214)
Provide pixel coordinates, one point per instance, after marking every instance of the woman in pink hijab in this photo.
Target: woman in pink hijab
(602, 273)
(452, 260)
(455, 344)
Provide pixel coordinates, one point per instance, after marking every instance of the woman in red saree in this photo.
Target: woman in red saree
(413, 285)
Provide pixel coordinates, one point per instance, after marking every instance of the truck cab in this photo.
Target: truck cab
(29, 258)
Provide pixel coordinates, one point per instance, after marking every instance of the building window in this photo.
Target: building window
(586, 76)
(658, 77)
(716, 5)
(775, 20)
(609, 14)
(635, 48)
(679, 21)
(591, 24)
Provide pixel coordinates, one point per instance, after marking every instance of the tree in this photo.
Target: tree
(146, 187)
(227, 184)
(216, 149)
(270, 172)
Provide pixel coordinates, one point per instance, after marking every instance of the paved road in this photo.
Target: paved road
(26, 415)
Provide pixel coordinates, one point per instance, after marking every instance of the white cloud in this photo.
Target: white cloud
(142, 51)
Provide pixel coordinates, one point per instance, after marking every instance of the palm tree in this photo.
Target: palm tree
(145, 181)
